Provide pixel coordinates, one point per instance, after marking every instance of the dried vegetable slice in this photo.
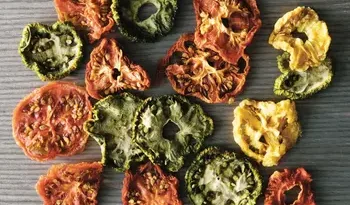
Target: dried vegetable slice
(150, 186)
(170, 151)
(110, 70)
(76, 184)
(265, 131)
(203, 73)
(126, 15)
(52, 52)
(49, 121)
(226, 26)
(303, 55)
(280, 182)
(302, 84)
(92, 16)
(219, 178)
(111, 127)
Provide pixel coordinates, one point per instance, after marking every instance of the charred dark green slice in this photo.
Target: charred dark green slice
(126, 14)
(52, 52)
(151, 118)
(302, 84)
(111, 127)
(219, 178)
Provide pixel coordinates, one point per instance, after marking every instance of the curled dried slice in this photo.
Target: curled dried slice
(160, 147)
(127, 15)
(305, 53)
(150, 186)
(203, 73)
(111, 127)
(302, 84)
(49, 121)
(219, 178)
(52, 52)
(265, 131)
(76, 184)
(280, 182)
(92, 16)
(110, 71)
(226, 26)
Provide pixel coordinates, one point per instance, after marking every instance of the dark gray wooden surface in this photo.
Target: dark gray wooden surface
(323, 149)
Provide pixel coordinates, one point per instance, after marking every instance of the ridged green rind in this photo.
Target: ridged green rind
(214, 169)
(194, 126)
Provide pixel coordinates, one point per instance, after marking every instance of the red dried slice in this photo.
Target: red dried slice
(150, 186)
(73, 184)
(280, 182)
(203, 73)
(226, 26)
(110, 71)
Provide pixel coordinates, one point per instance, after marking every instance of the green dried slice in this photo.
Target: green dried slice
(219, 178)
(111, 127)
(302, 84)
(151, 118)
(126, 15)
(52, 52)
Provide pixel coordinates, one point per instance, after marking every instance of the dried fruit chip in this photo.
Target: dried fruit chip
(76, 184)
(111, 127)
(265, 131)
(302, 84)
(52, 52)
(92, 16)
(126, 14)
(203, 73)
(220, 178)
(170, 151)
(49, 121)
(110, 71)
(226, 26)
(280, 182)
(304, 54)
(150, 186)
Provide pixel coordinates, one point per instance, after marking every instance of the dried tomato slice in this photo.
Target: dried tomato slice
(226, 26)
(110, 71)
(280, 182)
(92, 16)
(203, 73)
(149, 186)
(49, 121)
(76, 184)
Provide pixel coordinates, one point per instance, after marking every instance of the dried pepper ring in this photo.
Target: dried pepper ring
(226, 26)
(280, 182)
(302, 84)
(92, 16)
(220, 178)
(265, 131)
(170, 151)
(203, 73)
(126, 15)
(306, 54)
(110, 70)
(52, 52)
(111, 127)
(149, 185)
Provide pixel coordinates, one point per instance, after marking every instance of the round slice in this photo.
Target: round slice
(111, 127)
(127, 15)
(110, 71)
(49, 121)
(219, 178)
(71, 184)
(160, 147)
(150, 186)
(52, 52)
